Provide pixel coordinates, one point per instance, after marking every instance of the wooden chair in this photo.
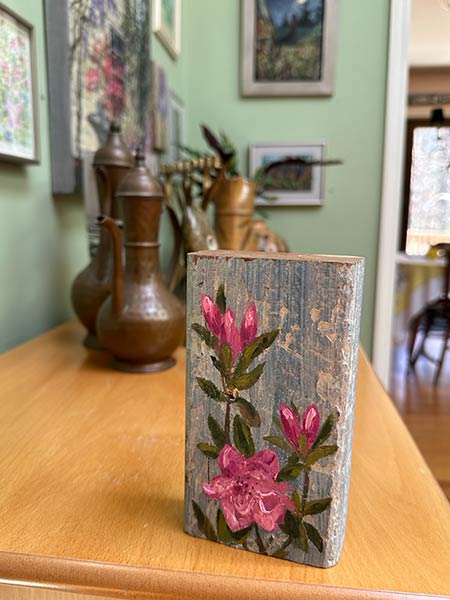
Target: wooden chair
(432, 319)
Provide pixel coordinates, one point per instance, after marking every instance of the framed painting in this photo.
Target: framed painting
(98, 55)
(167, 24)
(160, 108)
(288, 47)
(289, 184)
(175, 128)
(19, 117)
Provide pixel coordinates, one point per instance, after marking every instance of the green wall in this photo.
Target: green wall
(42, 243)
(351, 122)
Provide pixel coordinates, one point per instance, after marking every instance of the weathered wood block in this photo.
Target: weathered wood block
(272, 348)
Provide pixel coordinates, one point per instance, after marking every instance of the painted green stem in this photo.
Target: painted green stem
(305, 490)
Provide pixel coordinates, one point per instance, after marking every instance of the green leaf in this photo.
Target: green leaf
(303, 444)
(277, 422)
(325, 431)
(254, 350)
(209, 339)
(210, 389)
(280, 553)
(248, 412)
(274, 439)
(225, 534)
(208, 450)
(217, 433)
(319, 453)
(302, 537)
(243, 437)
(218, 365)
(226, 359)
(290, 525)
(290, 472)
(314, 536)
(296, 500)
(221, 300)
(314, 507)
(204, 524)
(223, 531)
(248, 380)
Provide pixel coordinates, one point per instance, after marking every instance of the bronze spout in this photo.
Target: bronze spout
(117, 283)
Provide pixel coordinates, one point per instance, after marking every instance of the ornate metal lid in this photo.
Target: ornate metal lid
(139, 182)
(114, 153)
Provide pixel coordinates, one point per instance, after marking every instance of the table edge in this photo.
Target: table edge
(105, 579)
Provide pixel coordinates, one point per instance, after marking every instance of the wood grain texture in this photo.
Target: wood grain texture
(315, 303)
(91, 495)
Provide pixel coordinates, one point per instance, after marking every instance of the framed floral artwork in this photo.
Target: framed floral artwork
(289, 183)
(19, 132)
(167, 24)
(98, 54)
(288, 47)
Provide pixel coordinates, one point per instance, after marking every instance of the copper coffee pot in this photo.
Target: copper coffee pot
(92, 286)
(142, 322)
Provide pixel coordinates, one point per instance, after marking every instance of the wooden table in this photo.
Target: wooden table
(91, 494)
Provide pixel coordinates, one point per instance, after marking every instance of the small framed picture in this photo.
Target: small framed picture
(19, 117)
(167, 24)
(289, 183)
(288, 47)
(175, 128)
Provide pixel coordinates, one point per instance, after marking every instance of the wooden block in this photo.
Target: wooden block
(272, 349)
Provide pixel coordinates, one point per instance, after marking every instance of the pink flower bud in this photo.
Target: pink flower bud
(229, 333)
(311, 423)
(212, 314)
(249, 325)
(290, 424)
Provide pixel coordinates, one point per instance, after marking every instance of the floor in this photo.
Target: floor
(425, 408)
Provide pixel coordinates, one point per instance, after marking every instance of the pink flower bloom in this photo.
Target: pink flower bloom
(293, 428)
(229, 333)
(225, 328)
(248, 490)
(92, 79)
(249, 325)
(212, 314)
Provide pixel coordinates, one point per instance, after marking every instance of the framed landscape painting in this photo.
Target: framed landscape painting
(19, 140)
(289, 184)
(167, 24)
(288, 47)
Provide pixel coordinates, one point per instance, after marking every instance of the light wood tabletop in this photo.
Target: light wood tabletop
(91, 494)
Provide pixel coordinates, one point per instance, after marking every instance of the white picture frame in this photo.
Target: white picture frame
(313, 183)
(176, 130)
(260, 32)
(168, 33)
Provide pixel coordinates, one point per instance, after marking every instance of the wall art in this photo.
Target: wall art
(19, 117)
(160, 108)
(167, 24)
(175, 128)
(272, 347)
(288, 47)
(98, 54)
(290, 184)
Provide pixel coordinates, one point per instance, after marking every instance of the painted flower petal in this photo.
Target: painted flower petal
(290, 424)
(212, 314)
(249, 326)
(229, 333)
(310, 423)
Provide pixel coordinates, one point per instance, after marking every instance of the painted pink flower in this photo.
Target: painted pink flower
(248, 490)
(293, 428)
(212, 314)
(92, 79)
(225, 328)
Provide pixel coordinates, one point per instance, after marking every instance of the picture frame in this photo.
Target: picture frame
(159, 108)
(305, 186)
(92, 80)
(303, 33)
(167, 25)
(176, 119)
(19, 114)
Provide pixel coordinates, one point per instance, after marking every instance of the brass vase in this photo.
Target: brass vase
(92, 286)
(142, 322)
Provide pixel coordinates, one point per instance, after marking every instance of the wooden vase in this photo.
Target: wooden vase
(234, 200)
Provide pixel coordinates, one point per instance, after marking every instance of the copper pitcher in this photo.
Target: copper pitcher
(142, 322)
(92, 286)
(234, 198)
